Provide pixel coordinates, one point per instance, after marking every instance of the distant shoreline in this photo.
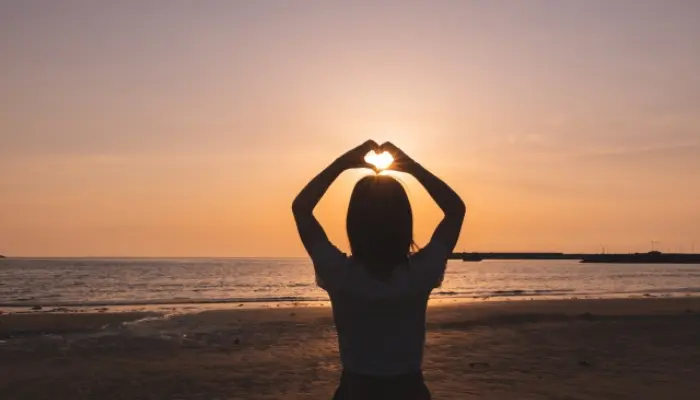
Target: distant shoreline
(652, 257)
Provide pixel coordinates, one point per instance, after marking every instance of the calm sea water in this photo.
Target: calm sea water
(107, 282)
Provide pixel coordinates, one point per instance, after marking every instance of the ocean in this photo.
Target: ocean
(132, 282)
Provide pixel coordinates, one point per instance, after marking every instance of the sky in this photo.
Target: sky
(183, 128)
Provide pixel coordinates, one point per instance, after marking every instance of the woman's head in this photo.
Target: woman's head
(380, 224)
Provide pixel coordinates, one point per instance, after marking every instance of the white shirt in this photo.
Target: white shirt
(381, 325)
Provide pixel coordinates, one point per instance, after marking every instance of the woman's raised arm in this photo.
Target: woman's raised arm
(449, 202)
(309, 228)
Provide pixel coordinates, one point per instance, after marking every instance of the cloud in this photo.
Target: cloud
(648, 152)
(533, 138)
(524, 138)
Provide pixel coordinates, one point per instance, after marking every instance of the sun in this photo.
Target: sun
(381, 161)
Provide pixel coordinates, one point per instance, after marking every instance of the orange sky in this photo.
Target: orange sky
(186, 128)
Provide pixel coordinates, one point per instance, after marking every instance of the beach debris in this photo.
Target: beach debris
(236, 341)
(584, 363)
(587, 316)
(36, 308)
(240, 305)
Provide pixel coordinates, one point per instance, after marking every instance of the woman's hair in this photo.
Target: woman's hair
(380, 225)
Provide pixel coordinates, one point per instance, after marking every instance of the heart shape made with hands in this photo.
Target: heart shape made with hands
(382, 160)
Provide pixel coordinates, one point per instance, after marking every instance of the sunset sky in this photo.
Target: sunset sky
(186, 128)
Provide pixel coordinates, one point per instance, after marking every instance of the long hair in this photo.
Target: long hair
(380, 225)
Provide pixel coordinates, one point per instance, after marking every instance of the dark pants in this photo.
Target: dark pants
(402, 387)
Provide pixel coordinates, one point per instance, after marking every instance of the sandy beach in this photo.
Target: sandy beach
(575, 349)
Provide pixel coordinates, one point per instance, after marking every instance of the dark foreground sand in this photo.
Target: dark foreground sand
(578, 349)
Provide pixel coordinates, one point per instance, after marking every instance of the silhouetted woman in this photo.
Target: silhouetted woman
(380, 293)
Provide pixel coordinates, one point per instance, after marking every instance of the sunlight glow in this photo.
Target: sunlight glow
(381, 161)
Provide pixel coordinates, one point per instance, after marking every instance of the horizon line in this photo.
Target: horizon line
(5, 256)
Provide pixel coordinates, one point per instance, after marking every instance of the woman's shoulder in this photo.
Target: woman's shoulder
(434, 251)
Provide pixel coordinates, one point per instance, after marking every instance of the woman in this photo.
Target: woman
(380, 293)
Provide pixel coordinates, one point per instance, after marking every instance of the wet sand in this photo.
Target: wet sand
(573, 349)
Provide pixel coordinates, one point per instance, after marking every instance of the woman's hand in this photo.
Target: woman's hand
(402, 162)
(355, 158)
